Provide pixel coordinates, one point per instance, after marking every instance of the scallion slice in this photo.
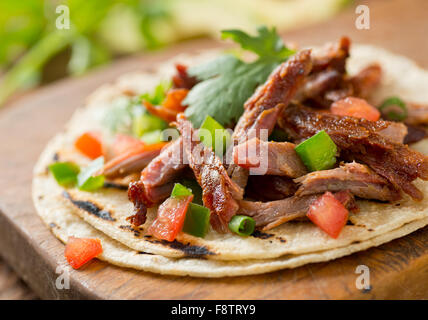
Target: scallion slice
(65, 173)
(242, 225)
(390, 106)
(318, 152)
(86, 180)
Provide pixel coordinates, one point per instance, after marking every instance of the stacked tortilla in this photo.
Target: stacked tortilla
(102, 214)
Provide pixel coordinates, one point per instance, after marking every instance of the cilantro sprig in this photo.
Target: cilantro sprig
(227, 82)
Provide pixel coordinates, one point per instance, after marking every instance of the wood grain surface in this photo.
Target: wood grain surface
(11, 286)
(398, 269)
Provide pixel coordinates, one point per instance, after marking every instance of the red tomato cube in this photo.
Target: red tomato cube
(329, 214)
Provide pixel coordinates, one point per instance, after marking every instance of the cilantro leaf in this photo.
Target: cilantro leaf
(267, 44)
(227, 82)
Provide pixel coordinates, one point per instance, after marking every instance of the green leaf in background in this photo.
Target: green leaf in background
(31, 63)
(227, 82)
(21, 26)
(102, 30)
(28, 26)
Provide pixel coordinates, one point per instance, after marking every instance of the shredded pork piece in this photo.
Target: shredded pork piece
(359, 139)
(417, 114)
(182, 79)
(166, 166)
(263, 108)
(219, 191)
(355, 177)
(271, 158)
(269, 188)
(271, 214)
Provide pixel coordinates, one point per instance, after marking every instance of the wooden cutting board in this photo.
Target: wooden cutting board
(398, 269)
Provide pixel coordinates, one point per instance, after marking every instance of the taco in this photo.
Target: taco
(239, 167)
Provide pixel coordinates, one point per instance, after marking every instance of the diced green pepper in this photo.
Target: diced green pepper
(65, 173)
(86, 180)
(242, 225)
(318, 152)
(214, 135)
(144, 122)
(180, 191)
(196, 189)
(197, 220)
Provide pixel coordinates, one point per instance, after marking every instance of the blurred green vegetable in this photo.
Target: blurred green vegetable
(101, 30)
(87, 180)
(30, 38)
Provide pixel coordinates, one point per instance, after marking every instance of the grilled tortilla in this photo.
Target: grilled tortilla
(103, 213)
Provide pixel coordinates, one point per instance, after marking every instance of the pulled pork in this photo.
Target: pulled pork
(262, 109)
(357, 178)
(359, 140)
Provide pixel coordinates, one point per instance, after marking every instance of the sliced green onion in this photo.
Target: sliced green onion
(197, 220)
(278, 135)
(180, 191)
(318, 152)
(144, 122)
(86, 180)
(152, 137)
(65, 173)
(242, 225)
(390, 106)
(214, 135)
(196, 189)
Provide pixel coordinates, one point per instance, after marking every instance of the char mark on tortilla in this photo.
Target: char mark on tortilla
(89, 207)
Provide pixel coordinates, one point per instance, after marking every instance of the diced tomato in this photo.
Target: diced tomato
(173, 99)
(170, 219)
(81, 250)
(329, 214)
(90, 144)
(123, 143)
(355, 107)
